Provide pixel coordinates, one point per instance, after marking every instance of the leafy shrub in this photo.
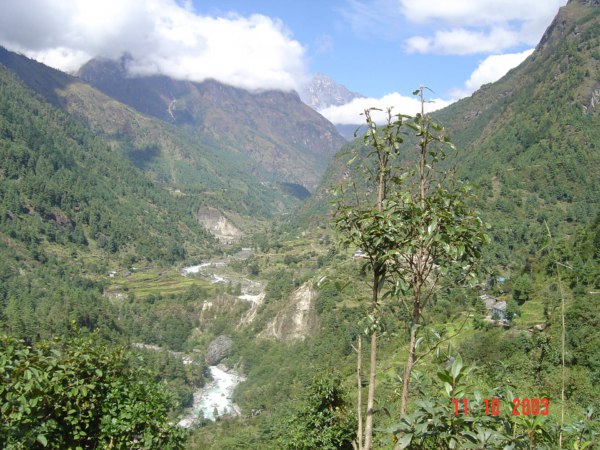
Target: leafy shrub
(73, 394)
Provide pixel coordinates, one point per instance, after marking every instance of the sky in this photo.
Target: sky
(382, 49)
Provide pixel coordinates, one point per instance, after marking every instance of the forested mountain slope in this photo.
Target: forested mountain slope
(279, 137)
(57, 177)
(529, 140)
(69, 205)
(210, 177)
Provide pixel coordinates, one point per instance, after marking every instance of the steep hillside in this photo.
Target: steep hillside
(69, 186)
(530, 140)
(209, 177)
(285, 140)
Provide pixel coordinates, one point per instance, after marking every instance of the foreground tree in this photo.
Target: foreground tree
(418, 227)
(74, 394)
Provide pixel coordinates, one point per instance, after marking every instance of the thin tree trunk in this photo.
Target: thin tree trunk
(420, 268)
(562, 394)
(373, 368)
(562, 296)
(359, 407)
(408, 371)
(371, 396)
(372, 372)
(540, 362)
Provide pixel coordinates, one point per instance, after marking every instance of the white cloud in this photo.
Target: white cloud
(489, 70)
(464, 27)
(372, 17)
(323, 45)
(464, 42)
(349, 114)
(254, 52)
(478, 13)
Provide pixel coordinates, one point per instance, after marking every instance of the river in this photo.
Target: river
(217, 394)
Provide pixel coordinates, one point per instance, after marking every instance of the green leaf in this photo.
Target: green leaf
(448, 387)
(402, 285)
(457, 366)
(419, 342)
(546, 243)
(380, 284)
(405, 440)
(432, 226)
(444, 376)
(42, 439)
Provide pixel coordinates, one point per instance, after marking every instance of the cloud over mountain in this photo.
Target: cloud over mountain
(349, 114)
(489, 70)
(254, 52)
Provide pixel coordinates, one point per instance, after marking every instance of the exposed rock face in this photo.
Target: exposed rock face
(322, 92)
(217, 350)
(218, 225)
(299, 318)
(235, 307)
(62, 221)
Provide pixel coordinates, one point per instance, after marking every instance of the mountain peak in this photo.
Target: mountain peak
(322, 92)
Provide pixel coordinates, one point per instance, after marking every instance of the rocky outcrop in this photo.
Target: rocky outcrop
(62, 221)
(218, 225)
(217, 350)
(297, 320)
(255, 302)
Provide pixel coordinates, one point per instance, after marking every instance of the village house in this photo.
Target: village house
(494, 306)
(499, 309)
(489, 301)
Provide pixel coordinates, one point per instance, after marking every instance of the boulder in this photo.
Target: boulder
(217, 350)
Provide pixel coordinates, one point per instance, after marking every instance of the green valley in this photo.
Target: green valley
(191, 265)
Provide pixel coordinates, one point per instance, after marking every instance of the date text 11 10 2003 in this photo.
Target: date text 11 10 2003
(523, 407)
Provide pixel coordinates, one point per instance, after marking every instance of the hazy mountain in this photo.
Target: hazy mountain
(288, 140)
(322, 92)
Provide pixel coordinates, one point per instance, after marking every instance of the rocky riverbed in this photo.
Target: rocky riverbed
(216, 395)
(217, 271)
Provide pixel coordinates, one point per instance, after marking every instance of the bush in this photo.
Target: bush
(321, 419)
(74, 394)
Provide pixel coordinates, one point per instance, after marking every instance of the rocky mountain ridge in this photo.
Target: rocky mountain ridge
(201, 172)
(280, 137)
(322, 92)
